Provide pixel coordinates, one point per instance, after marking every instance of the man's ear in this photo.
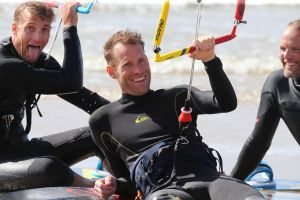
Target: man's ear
(14, 28)
(111, 72)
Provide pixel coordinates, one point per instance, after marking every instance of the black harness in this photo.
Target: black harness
(156, 168)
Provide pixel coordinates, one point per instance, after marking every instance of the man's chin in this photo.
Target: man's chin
(289, 74)
(32, 60)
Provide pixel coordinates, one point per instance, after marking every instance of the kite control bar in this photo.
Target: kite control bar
(239, 13)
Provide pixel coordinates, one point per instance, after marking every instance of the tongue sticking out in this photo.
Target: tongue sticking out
(33, 52)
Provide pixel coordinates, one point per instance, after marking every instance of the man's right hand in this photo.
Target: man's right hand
(68, 13)
(205, 48)
(105, 187)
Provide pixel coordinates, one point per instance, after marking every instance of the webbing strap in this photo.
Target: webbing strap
(31, 102)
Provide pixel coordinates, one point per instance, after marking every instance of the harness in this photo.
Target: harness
(157, 167)
(10, 121)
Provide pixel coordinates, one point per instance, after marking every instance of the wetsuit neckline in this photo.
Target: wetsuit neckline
(126, 98)
(297, 82)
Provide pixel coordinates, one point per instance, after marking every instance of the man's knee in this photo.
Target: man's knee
(52, 171)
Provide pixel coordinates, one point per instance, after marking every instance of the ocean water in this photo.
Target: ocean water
(247, 60)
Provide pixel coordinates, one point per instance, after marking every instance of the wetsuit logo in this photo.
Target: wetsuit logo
(140, 119)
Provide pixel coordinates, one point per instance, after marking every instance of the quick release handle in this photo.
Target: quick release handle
(80, 9)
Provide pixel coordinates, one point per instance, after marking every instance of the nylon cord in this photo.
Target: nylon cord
(199, 11)
(54, 38)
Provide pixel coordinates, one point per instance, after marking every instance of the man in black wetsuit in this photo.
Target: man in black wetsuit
(24, 72)
(280, 98)
(142, 118)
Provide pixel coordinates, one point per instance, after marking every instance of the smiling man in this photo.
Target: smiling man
(280, 99)
(24, 73)
(142, 118)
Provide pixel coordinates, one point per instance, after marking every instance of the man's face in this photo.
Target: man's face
(30, 36)
(131, 69)
(290, 53)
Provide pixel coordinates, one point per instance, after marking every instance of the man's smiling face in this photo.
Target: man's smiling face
(131, 69)
(30, 36)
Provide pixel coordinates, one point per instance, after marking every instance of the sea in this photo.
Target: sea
(247, 60)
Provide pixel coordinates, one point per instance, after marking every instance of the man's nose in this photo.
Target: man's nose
(137, 69)
(288, 53)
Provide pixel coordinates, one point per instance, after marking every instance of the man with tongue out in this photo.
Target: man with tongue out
(24, 73)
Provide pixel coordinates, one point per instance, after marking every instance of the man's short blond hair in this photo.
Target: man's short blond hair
(125, 37)
(294, 24)
(36, 8)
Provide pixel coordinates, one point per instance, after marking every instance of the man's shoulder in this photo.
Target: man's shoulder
(106, 109)
(100, 115)
(7, 54)
(276, 75)
(274, 79)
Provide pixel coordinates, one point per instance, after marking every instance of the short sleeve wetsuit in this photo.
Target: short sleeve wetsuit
(126, 128)
(279, 100)
(41, 162)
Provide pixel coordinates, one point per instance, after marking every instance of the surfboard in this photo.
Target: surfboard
(90, 173)
(280, 195)
(59, 193)
(287, 185)
(52, 193)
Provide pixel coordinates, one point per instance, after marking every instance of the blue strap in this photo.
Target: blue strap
(262, 168)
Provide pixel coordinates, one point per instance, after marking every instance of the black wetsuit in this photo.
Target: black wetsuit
(126, 128)
(280, 98)
(41, 162)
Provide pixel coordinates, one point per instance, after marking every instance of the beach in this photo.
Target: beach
(247, 60)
